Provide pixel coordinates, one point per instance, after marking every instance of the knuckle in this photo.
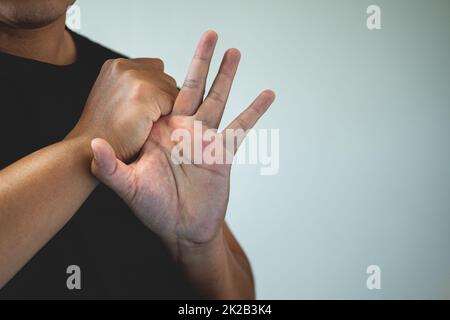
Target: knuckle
(216, 96)
(108, 63)
(131, 76)
(171, 80)
(225, 75)
(159, 63)
(107, 66)
(242, 123)
(150, 63)
(165, 103)
(201, 58)
(119, 65)
(191, 83)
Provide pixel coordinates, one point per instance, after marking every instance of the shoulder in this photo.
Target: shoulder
(92, 52)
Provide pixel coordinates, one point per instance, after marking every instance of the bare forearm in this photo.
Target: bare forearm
(38, 195)
(220, 270)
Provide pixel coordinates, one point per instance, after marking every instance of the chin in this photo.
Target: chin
(32, 14)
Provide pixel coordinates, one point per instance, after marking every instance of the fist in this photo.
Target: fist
(127, 98)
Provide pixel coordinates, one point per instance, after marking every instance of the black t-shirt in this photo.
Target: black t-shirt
(118, 256)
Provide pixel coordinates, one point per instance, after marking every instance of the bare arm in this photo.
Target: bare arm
(220, 269)
(38, 195)
(41, 192)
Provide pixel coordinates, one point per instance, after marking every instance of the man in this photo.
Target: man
(58, 129)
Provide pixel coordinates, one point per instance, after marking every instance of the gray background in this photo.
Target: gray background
(365, 125)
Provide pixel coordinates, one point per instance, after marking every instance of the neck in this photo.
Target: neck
(51, 43)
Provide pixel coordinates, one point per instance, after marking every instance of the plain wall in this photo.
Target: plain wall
(364, 119)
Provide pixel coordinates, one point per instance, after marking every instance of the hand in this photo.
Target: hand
(127, 98)
(185, 204)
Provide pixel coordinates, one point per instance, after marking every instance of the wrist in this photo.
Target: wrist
(83, 133)
(214, 269)
(79, 147)
(185, 251)
(80, 134)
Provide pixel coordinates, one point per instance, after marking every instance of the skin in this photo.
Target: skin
(129, 112)
(35, 30)
(41, 192)
(186, 204)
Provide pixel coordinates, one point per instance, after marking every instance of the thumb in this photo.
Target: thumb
(110, 170)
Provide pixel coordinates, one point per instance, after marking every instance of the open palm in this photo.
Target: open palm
(183, 202)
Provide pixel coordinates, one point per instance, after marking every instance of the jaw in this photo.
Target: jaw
(32, 14)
